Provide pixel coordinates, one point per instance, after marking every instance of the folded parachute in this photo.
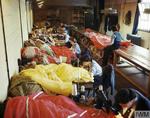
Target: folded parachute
(57, 78)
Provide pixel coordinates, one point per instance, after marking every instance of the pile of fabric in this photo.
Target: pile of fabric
(40, 90)
(99, 40)
(63, 51)
(56, 78)
(45, 54)
(45, 46)
(41, 105)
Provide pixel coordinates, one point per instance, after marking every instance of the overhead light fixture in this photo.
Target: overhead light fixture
(85, 12)
(40, 6)
(40, 2)
(109, 11)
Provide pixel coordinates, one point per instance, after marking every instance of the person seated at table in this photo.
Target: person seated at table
(92, 66)
(74, 46)
(115, 44)
(62, 29)
(67, 37)
(102, 76)
(128, 100)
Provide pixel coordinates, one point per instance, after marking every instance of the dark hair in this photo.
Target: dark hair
(68, 44)
(85, 58)
(124, 96)
(118, 27)
(30, 35)
(73, 39)
(114, 28)
(86, 52)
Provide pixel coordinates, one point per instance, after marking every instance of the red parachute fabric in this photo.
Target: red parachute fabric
(125, 43)
(44, 106)
(63, 51)
(88, 30)
(97, 44)
(99, 40)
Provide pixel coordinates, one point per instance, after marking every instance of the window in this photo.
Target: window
(144, 18)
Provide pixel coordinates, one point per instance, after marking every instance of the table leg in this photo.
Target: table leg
(115, 59)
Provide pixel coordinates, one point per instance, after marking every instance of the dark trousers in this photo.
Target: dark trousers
(107, 53)
(97, 81)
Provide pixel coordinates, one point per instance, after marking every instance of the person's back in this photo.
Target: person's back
(116, 37)
(96, 68)
(115, 44)
(77, 48)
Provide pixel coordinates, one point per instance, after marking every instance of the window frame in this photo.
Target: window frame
(144, 20)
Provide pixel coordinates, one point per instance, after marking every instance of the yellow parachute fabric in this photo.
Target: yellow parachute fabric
(57, 78)
(64, 88)
(66, 72)
(69, 73)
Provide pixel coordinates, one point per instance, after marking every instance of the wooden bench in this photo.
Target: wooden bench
(136, 70)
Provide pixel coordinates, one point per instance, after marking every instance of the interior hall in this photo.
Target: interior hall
(75, 58)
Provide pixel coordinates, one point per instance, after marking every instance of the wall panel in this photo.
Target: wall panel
(125, 29)
(24, 19)
(145, 39)
(29, 16)
(3, 64)
(12, 31)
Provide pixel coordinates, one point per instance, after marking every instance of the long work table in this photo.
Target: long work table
(136, 70)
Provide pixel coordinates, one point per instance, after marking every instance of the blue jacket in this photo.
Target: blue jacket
(117, 39)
